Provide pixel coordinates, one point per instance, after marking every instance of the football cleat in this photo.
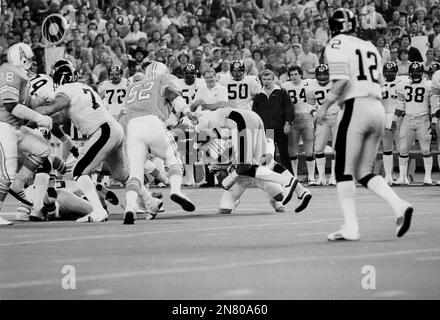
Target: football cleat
(312, 182)
(277, 205)
(129, 217)
(4, 222)
(303, 201)
(343, 235)
(108, 195)
(428, 182)
(404, 222)
(183, 201)
(289, 189)
(153, 208)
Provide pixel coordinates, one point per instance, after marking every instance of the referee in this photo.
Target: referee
(275, 108)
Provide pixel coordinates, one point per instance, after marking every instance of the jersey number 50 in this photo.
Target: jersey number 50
(139, 95)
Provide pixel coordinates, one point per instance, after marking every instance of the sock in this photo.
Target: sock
(311, 168)
(346, 193)
(189, 174)
(266, 174)
(294, 163)
(299, 190)
(86, 185)
(427, 162)
(145, 195)
(403, 163)
(320, 165)
(175, 183)
(388, 165)
(378, 185)
(41, 183)
(131, 197)
(332, 175)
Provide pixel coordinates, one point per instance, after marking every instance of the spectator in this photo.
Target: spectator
(101, 23)
(434, 38)
(414, 53)
(197, 60)
(183, 60)
(380, 46)
(114, 39)
(229, 12)
(99, 48)
(199, 10)
(196, 38)
(162, 22)
(80, 52)
(429, 59)
(394, 55)
(275, 108)
(225, 72)
(134, 35)
(308, 61)
(404, 62)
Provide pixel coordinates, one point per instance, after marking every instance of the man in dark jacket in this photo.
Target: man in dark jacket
(275, 108)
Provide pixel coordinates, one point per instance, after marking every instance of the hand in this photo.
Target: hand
(45, 121)
(434, 130)
(394, 126)
(321, 116)
(287, 128)
(75, 152)
(266, 159)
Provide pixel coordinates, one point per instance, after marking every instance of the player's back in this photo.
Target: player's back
(241, 92)
(87, 110)
(113, 95)
(298, 95)
(146, 97)
(357, 61)
(14, 88)
(42, 86)
(416, 95)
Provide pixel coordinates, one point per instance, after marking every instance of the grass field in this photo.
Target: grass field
(252, 254)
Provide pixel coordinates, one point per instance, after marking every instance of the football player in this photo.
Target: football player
(414, 99)
(389, 99)
(83, 106)
(15, 138)
(113, 92)
(147, 136)
(241, 88)
(303, 123)
(356, 71)
(316, 94)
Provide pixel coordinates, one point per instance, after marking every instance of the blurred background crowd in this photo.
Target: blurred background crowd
(265, 34)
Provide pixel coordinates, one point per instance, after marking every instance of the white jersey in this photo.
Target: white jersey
(359, 62)
(435, 90)
(42, 86)
(414, 97)
(86, 110)
(316, 95)
(298, 95)
(389, 97)
(113, 96)
(241, 93)
(189, 91)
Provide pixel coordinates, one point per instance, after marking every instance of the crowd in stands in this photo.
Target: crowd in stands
(265, 34)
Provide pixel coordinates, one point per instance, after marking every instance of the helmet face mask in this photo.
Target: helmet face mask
(189, 74)
(237, 70)
(433, 68)
(390, 70)
(416, 71)
(115, 74)
(322, 74)
(342, 21)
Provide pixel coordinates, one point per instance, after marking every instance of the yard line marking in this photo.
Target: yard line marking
(215, 267)
(130, 235)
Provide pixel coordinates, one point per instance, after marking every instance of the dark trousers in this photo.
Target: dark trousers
(282, 143)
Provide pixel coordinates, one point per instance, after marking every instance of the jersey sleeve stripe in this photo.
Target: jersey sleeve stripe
(9, 89)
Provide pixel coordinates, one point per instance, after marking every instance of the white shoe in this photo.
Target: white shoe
(304, 200)
(22, 214)
(428, 182)
(277, 205)
(98, 215)
(288, 190)
(183, 201)
(342, 235)
(403, 222)
(321, 182)
(332, 181)
(438, 183)
(4, 222)
(153, 208)
(402, 182)
(312, 182)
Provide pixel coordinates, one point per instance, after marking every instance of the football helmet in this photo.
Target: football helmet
(342, 21)
(390, 70)
(435, 66)
(155, 69)
(189, 74)
(60, 63)
(115, 74)
(64, 74)
(237, 70)
(416, 71)
(322, 74)
(21, 55)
